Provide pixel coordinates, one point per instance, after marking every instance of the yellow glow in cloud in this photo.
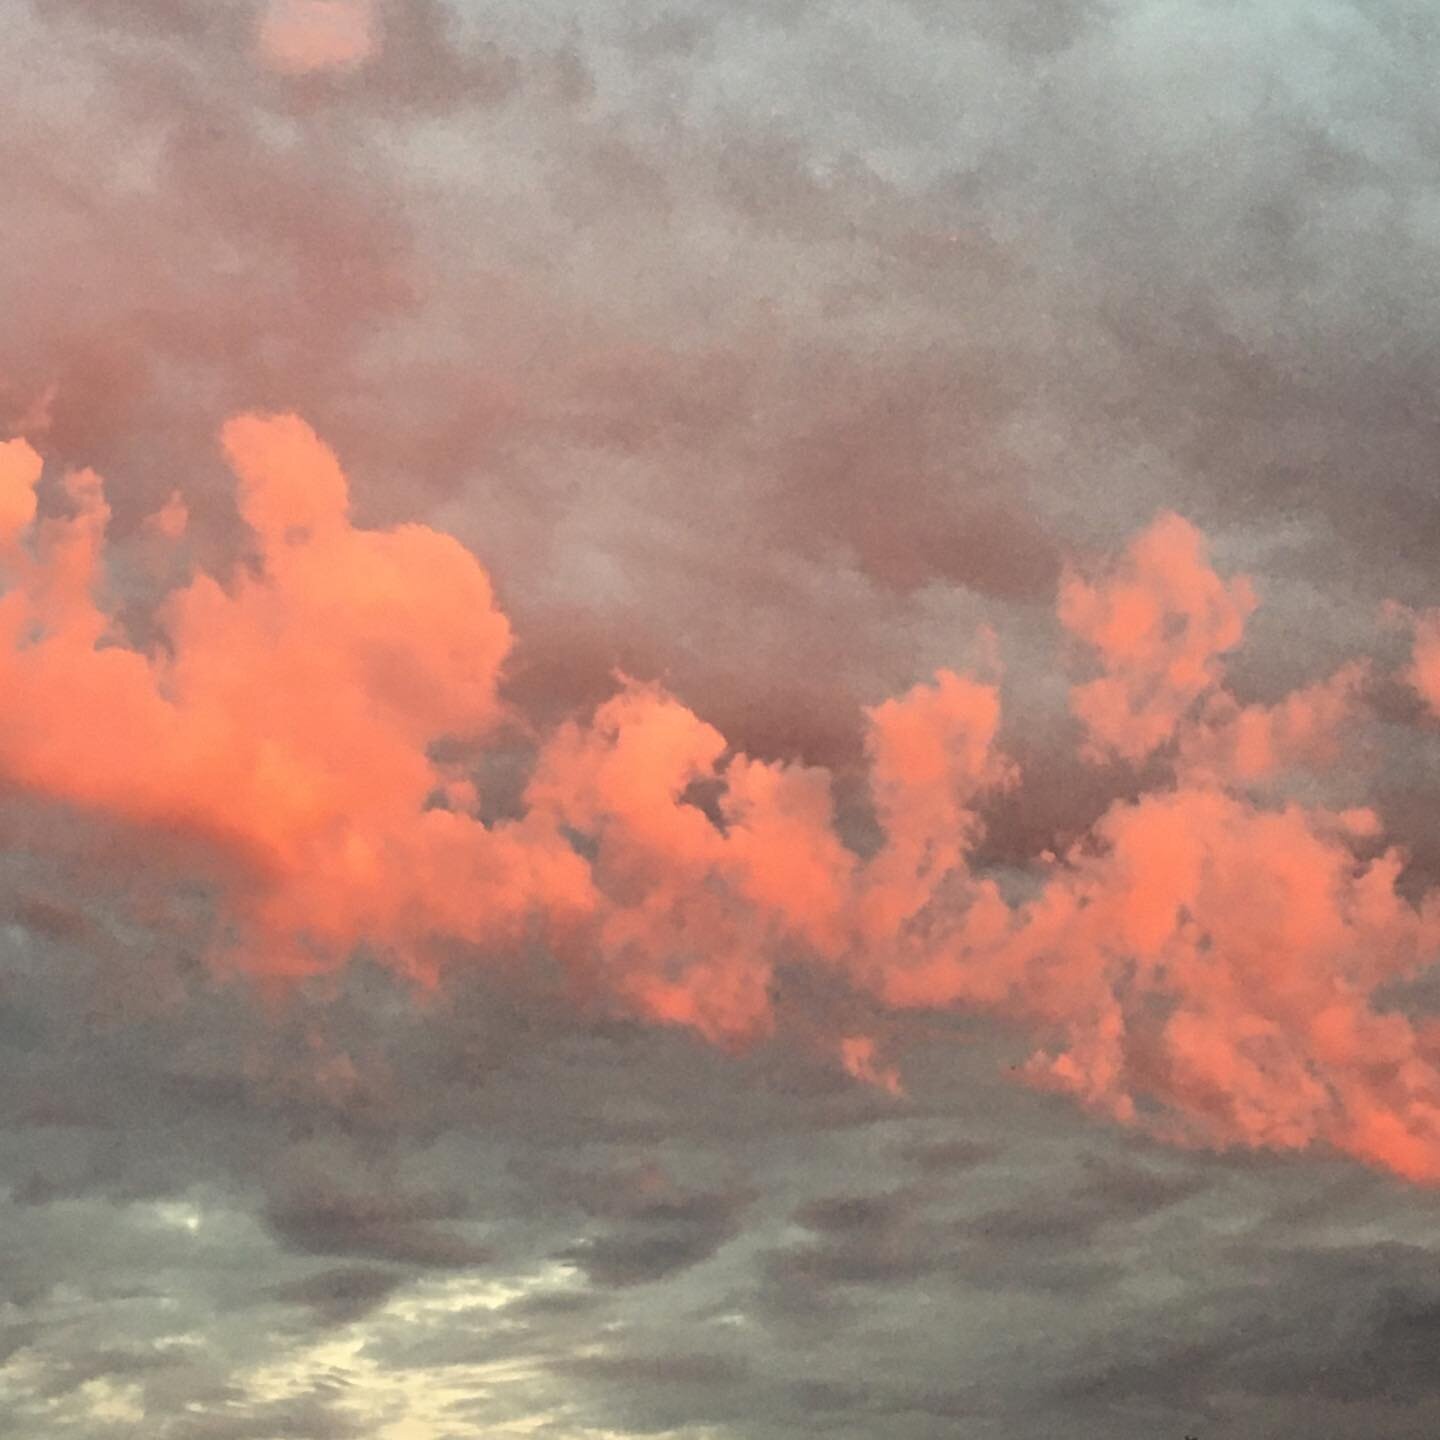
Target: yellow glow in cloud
(424, 1402)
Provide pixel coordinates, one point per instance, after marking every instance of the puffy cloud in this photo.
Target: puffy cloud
(1204, 960)
(1248, 744)
(281, 721)
(1159, 623)
(1222, 962)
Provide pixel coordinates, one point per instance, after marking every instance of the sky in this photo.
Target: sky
(719, 722)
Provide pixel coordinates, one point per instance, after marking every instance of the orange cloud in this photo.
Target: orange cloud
(1251, 743)
(858, 1055)
(1158, 622)
(1204, 962)
(1223, 961)
(692, 913)
(286, 720)
(299, 36)
(20, 470)
(1424, 673)
(932, 753)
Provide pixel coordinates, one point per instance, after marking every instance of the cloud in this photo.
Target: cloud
(1424, 673)
(341, 1295)
(19, 472)
(300, 36)
(661, 1233)
(315, 1212)
(1203, 961)
(1158, 626)
(765, 354)
(357, 647)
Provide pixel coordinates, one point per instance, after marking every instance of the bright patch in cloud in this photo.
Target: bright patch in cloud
(299, 36)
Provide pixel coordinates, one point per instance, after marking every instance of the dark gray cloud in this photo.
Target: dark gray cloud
(314, 1216)
(341, 1295)
(658, 1234)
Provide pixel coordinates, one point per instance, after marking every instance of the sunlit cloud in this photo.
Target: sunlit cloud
(300, 36)
(1204, 953)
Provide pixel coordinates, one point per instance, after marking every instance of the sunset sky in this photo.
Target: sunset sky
(719, 721)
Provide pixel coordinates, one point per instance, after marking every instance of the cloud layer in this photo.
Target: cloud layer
(1205, 959)
(881, 586)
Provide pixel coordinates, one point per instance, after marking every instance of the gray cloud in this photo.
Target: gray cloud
(343, 1294)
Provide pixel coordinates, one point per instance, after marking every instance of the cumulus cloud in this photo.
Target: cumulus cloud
(1158, 627)
(358, 647)
(1204, 961)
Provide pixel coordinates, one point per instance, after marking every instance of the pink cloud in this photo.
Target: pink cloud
(299, 36)
(1158, 621)
(1424, 672)
(1202, 961)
